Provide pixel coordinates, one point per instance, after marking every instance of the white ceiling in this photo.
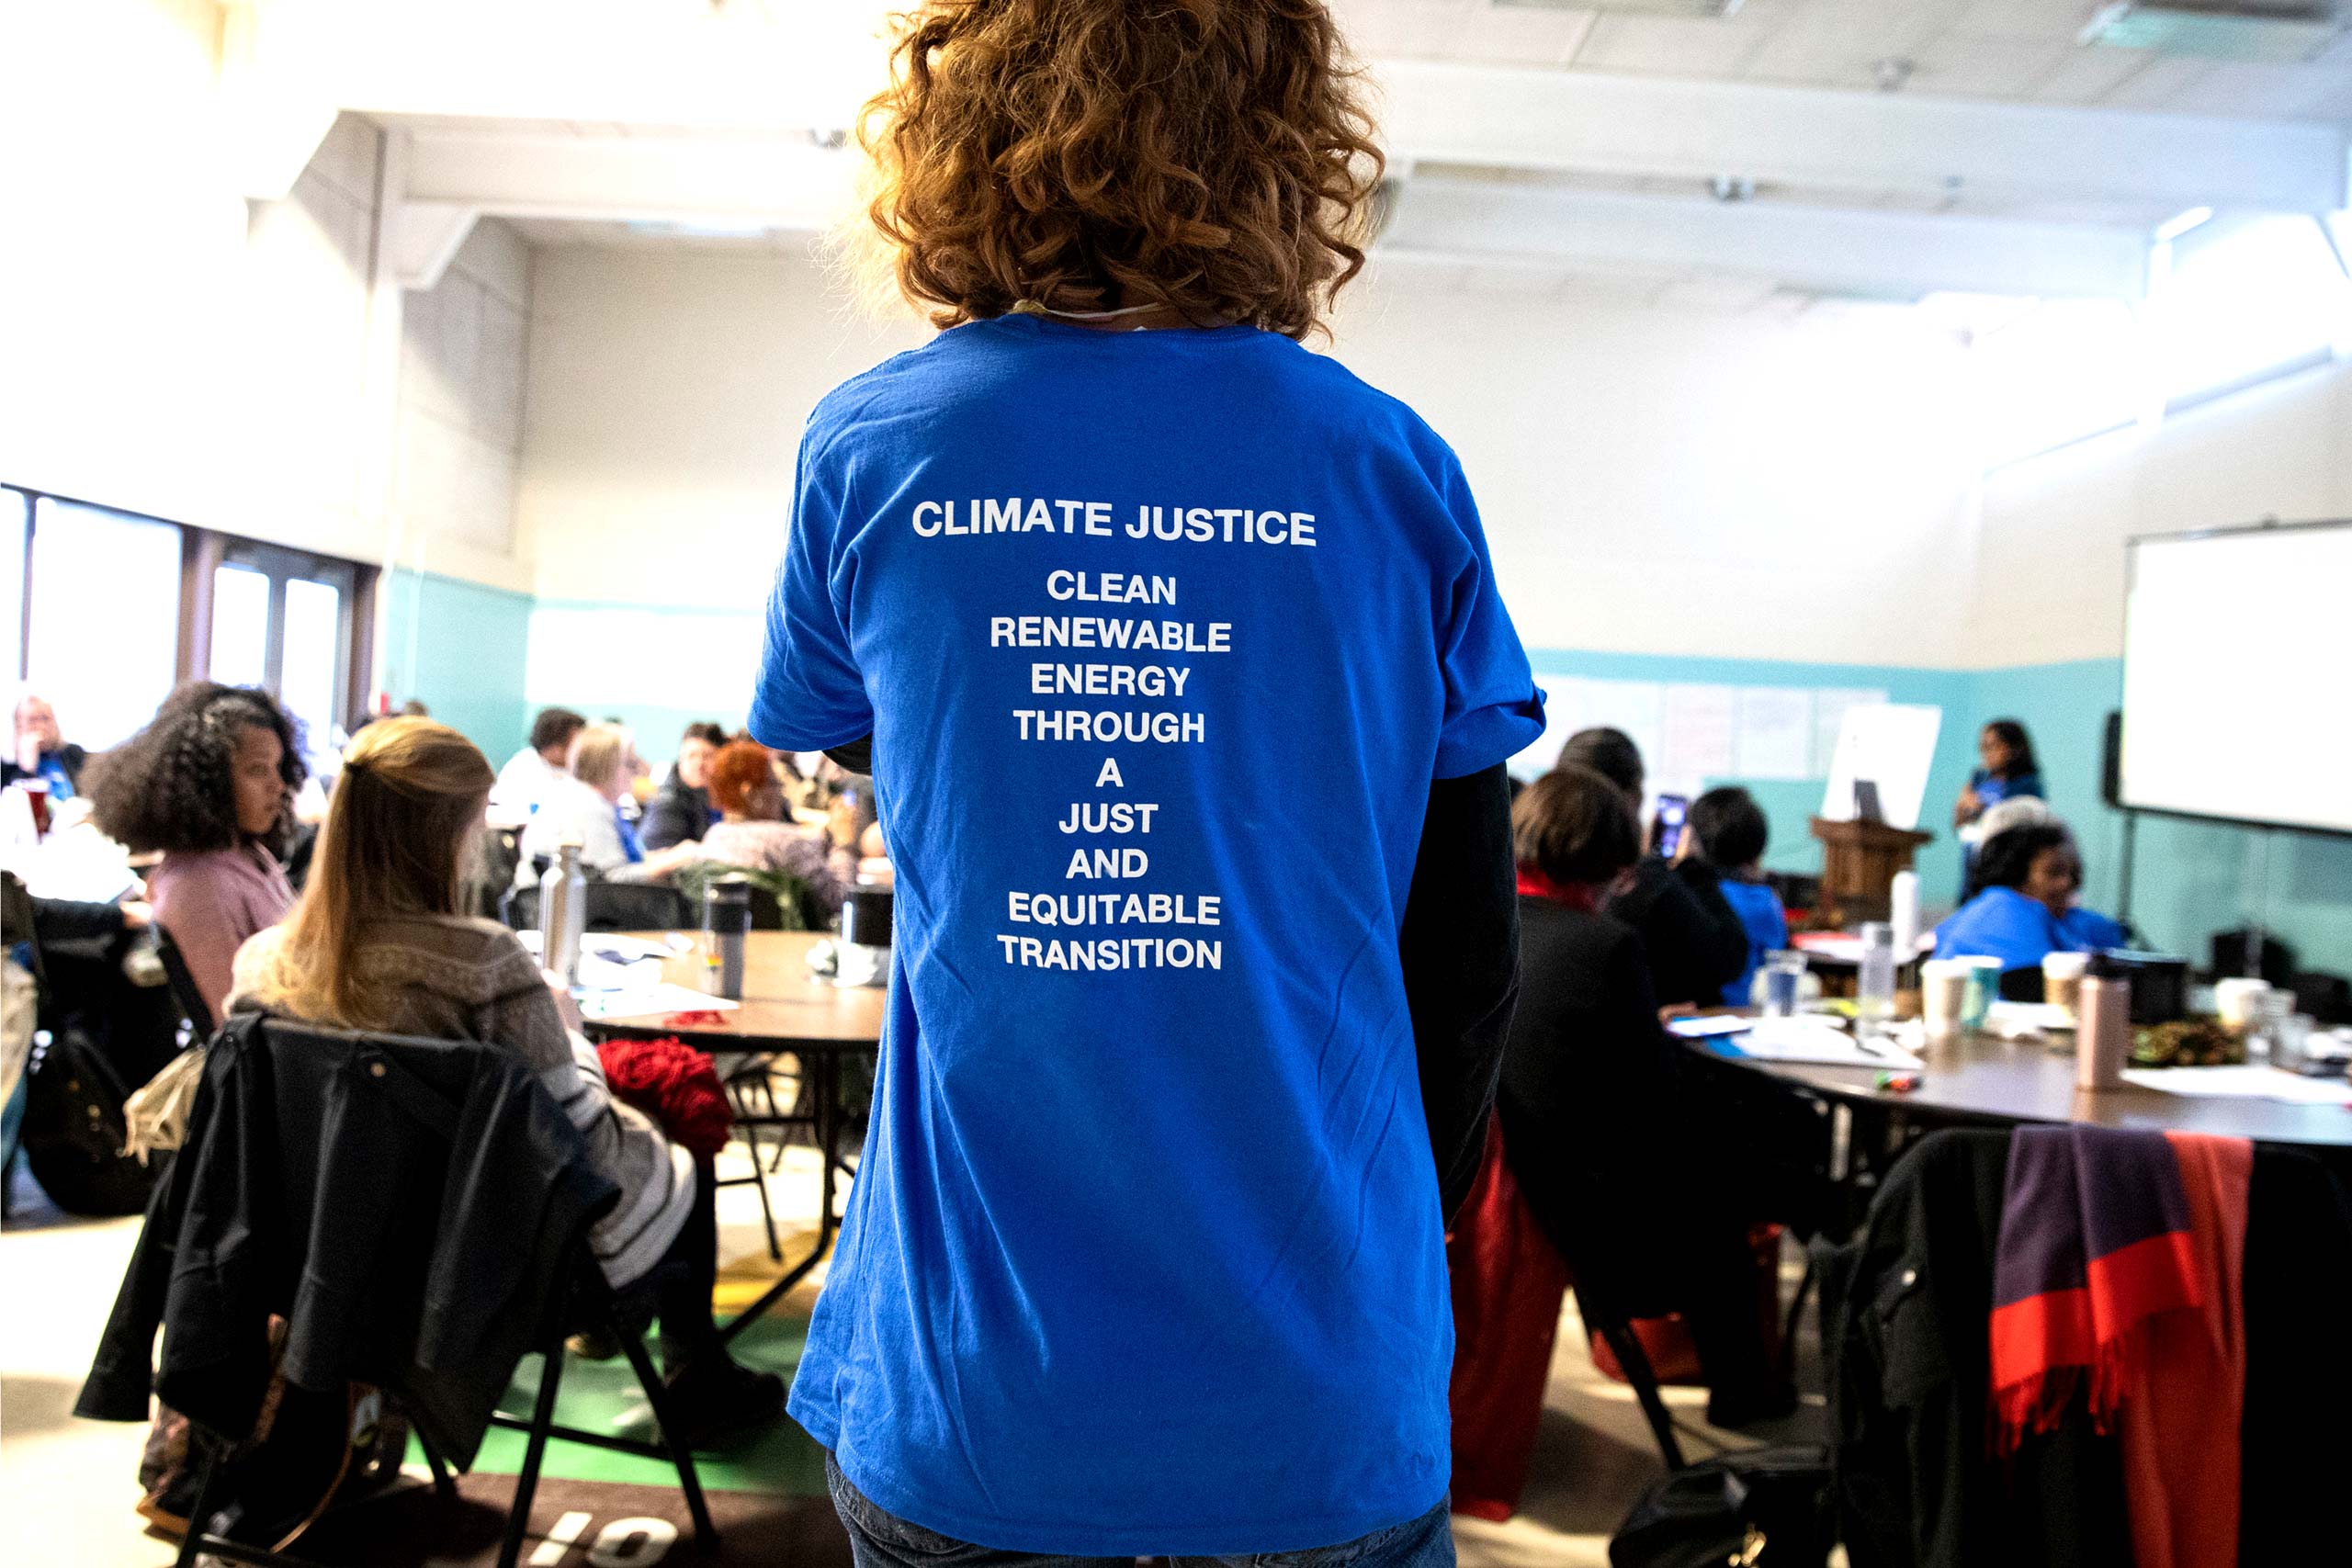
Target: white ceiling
(1529, 142)
(2018, 51)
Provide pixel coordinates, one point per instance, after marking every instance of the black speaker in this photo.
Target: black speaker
(2110, 761)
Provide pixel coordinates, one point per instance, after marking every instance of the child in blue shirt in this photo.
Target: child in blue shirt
(1730, 833)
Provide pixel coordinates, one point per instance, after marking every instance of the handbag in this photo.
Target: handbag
(73, 1131)
(1762, 1508)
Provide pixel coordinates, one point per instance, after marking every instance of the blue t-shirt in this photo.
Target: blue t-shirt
(1162, 636)
(1767, 924)
(2003, 923)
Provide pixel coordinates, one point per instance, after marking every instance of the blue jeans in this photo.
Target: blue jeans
(878, 1539)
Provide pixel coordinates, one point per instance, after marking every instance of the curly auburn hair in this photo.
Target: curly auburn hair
(169, 788)
(740, 771)
(1208, 156)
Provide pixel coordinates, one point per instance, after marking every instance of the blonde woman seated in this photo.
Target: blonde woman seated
(752, 831)
(377, 943)
(584, 803)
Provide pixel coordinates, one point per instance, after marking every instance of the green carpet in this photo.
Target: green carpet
(604, 1396)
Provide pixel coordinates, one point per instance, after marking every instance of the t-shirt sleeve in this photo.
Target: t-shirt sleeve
(1494, 710)
(810, 693)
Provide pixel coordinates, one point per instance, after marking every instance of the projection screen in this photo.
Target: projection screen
(2237, 676)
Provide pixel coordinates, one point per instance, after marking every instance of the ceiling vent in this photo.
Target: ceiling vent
(1709, 8)
(2272, 31)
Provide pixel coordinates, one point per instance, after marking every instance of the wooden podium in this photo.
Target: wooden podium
(1859, 860)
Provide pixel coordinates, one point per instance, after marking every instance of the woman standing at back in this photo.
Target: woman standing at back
(1145, 1253)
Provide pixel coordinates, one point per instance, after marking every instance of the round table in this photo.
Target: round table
(1983, 1079)
(785, 1010)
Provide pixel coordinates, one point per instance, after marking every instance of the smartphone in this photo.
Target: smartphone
(1668, 826)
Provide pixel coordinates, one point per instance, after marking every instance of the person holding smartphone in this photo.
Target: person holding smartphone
(1692, 937)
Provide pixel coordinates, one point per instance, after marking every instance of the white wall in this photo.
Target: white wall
(1658, 479)
(2054, 526)
(1630, 462)
(667, 390)
(463, 346)
(175, 349)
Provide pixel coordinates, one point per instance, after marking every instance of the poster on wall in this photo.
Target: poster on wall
(1774, 733)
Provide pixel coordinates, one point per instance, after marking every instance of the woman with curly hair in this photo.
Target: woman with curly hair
(1145, 1253)
(208, 783)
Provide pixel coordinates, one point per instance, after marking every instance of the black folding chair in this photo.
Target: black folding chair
(185, 990)
(581, 1300)
(612, 906)
(1616, 1330)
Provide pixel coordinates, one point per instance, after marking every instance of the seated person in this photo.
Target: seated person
(210, 783)
(1598, 1120)
(2025, 907)
(1728, 832)
(752, 832)
(528, 774)
(585, 803)
(41, 750)
(681, 809)
(377, 943)
(1694, 943)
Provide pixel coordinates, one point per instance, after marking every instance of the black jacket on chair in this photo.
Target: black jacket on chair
(1593, 1103)
(676, 815)
(410, 1207)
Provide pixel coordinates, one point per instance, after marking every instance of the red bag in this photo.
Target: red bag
(1508, 1282)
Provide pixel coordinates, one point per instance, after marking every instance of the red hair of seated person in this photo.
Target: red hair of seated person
(740, 771)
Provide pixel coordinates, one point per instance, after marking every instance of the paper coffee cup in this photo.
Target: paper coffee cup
(2240, 1001)
(2062, 979)
(1943, 996)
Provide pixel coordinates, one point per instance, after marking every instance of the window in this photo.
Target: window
(104, 612)
(284, 619)
(102, 599)
(2235, 302)
(16, 533)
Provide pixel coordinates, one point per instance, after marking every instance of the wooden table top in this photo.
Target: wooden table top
(783, 1005)
(1983, 1078)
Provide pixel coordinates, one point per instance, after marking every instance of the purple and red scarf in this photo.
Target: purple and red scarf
(2096, 1238)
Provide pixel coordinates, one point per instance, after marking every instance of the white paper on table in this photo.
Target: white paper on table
(1810, 1040)
(663, 997)
(1830, 705)
(1713, 1023)
(628, 949)
(2014, 1021)
(1773, 739)
(1698, 727)
(2246, 1081)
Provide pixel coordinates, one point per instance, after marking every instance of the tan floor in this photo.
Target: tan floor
(66, 1485)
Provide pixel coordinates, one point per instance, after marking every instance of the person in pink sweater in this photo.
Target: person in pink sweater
(210, 783)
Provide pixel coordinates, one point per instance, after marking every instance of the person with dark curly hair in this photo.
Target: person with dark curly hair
(210, 783)
(1178, 1083)
(2024, 909)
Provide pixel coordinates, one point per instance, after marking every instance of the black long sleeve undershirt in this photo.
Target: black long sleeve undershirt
(1459, 947)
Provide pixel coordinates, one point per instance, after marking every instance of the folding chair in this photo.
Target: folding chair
(581, 1300)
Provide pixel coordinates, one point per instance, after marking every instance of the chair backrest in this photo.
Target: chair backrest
(16, 921)
(612, 906)
(185, 990)
(427, 1155)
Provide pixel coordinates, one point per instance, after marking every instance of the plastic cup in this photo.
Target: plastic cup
(1783, 976)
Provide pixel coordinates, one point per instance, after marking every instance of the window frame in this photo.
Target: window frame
(202, 551)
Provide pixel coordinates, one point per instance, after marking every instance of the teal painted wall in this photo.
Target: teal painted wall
(460, 648)
(2189, 879)
(1789, 803)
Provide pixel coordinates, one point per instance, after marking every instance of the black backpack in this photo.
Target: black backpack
(1763, 1509)
(74, 1129)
